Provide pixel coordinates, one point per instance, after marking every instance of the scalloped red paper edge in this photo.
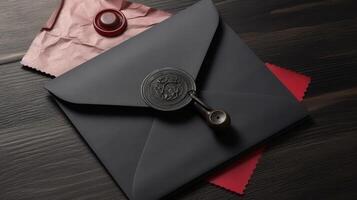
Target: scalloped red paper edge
(236, 177)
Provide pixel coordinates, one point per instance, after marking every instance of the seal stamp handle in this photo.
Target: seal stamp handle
(215, 118)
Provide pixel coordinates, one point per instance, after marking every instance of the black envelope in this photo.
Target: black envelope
(152, 153)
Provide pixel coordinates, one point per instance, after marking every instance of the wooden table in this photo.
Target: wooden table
(42, 156)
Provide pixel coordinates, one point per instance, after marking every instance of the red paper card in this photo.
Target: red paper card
(236, 177)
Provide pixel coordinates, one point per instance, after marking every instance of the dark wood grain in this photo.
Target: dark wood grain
(20, 20)
(42, 157)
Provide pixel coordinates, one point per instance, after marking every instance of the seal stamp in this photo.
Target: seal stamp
(170, 89)
(167, 89)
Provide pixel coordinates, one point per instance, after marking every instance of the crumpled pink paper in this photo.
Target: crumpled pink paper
(73, 39)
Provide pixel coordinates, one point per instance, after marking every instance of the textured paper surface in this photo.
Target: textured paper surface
(73, 41)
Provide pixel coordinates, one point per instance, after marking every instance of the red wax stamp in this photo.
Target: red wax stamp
(110, 23)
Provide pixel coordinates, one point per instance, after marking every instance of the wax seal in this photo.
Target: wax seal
(167, 89)
(170, 89)
(110, 23)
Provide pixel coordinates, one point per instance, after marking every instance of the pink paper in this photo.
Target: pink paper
(73, 39)
(69, 40)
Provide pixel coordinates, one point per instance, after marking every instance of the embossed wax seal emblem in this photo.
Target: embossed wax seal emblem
(170, 89)
(167, 89)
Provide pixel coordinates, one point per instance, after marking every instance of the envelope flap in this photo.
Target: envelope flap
(115, 77)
